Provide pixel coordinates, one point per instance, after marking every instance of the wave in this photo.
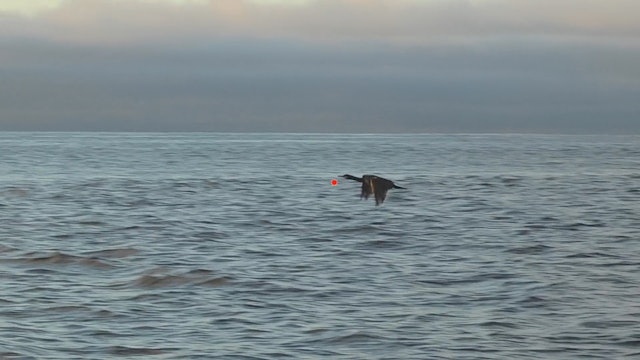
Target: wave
(60, 258)
(113, 253)
(97, 259)
(198, 277)
(137, 351)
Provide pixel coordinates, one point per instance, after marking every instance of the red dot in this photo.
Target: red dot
(334, 182)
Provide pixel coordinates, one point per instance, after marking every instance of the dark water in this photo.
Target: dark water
(237, 247)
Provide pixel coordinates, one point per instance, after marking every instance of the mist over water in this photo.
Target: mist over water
(236, 246)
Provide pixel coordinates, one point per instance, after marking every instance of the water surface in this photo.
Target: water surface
(183, 246)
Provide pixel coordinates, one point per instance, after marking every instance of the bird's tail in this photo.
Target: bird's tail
(398, 187)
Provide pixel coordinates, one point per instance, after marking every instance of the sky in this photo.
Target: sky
(335, 66)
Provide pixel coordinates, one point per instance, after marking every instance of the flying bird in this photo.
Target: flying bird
(372, 184)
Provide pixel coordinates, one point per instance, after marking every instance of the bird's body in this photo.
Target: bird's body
(373, 184)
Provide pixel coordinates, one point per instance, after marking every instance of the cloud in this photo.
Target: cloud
(397, 21)
(283, 86)
(330, 65)
(28, 8)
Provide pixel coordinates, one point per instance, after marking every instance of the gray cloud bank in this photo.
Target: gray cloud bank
(565, 76)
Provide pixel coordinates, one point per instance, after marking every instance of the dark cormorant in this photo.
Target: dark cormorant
(372, 184)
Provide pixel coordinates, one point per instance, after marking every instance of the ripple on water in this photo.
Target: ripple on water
(60, 258)
(8, 355)
(138, 351)
(162, 278)
(530, 249)
(113, 253)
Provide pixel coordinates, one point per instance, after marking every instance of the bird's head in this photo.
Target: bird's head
(351, 177)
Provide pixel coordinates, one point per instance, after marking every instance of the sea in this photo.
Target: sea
(238, 246)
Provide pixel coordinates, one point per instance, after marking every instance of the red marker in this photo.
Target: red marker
(334, 182)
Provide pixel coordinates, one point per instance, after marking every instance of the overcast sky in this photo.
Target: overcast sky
(551, 66)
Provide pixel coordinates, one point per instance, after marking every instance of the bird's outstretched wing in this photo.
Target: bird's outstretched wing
(381, 187)
(368, 187)
(372, 184)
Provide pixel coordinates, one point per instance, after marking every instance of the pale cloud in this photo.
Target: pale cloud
(28, 8)
(282, 2)
(400, 21)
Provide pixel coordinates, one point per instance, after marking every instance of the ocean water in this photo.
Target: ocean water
(236, 246)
